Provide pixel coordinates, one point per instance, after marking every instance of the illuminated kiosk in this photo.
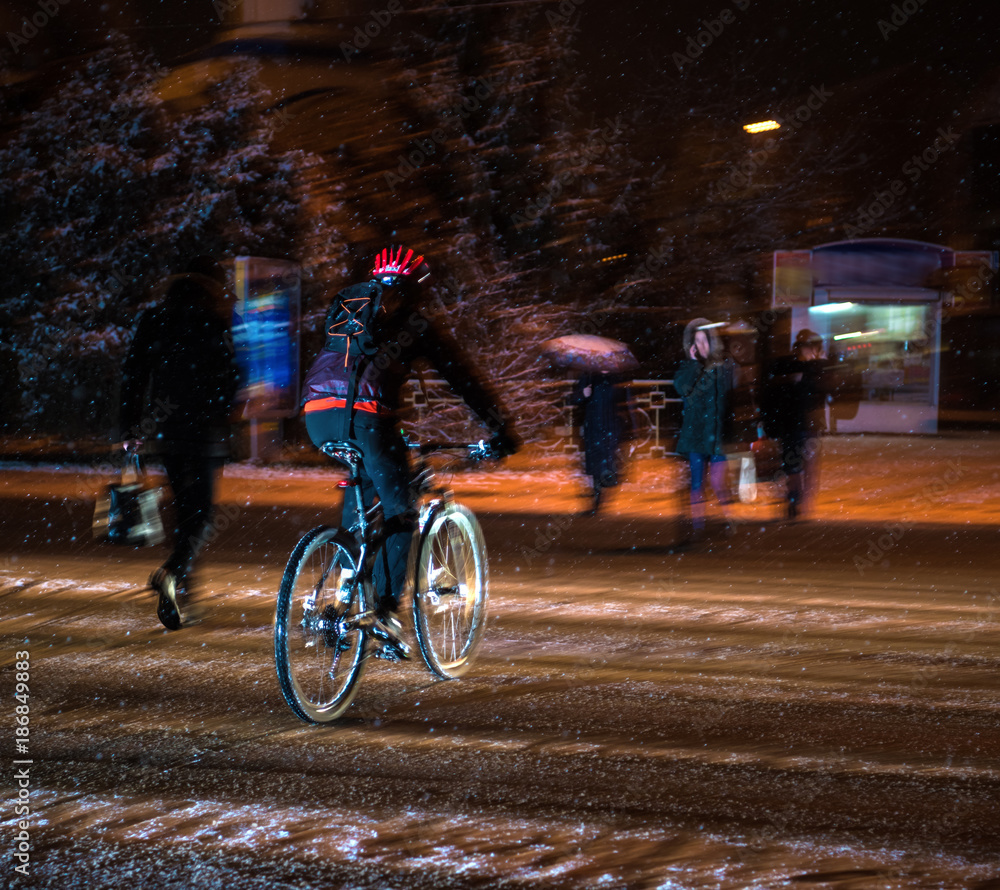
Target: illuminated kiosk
(879, 304)
(266, 340)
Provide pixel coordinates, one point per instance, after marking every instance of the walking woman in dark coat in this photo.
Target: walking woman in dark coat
(604, 407)
(704, 381)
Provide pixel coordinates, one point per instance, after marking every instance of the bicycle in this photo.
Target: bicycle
(325, 621)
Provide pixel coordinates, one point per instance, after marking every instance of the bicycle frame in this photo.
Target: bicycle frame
(323, 630)
(424, 482)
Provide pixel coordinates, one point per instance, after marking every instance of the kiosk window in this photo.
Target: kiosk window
(888, 347)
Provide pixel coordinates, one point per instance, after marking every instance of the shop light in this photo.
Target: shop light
(830, 308)
(761, 126)
(855, 334)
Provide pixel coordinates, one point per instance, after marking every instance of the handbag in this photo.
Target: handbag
(128, 512)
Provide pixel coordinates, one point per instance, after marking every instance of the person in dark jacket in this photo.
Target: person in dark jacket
(604, 409)
(704, 381)
(179, 381)
(352, 394)
(794, 408)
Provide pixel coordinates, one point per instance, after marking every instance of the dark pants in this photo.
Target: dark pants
(385, 473)
(192, 482)
(600, 456)
(799, 460)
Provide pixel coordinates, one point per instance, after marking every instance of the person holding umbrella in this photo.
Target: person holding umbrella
(704, 381)
(604, 408)
(602, 365)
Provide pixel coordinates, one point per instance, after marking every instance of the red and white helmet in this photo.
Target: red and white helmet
(393, 263)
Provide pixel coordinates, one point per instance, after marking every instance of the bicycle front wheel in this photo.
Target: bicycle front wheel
(319, 648)
(450, 589)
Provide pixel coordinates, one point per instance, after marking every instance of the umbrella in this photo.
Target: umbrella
(588, 352)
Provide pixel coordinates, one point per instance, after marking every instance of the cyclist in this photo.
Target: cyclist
(352, 394)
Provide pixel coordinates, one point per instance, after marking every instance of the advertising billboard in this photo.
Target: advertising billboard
(266, 335)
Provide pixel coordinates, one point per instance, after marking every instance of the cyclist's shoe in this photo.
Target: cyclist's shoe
(388, 631)
(164, 583)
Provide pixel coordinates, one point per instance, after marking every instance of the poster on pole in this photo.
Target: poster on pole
(793, 279)
(266, 335)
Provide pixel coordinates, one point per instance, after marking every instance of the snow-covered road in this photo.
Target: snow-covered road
(765, 711)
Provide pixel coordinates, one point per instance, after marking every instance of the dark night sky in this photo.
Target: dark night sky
(784, 45)
(790, 39)
(627, 47)
(768, 53)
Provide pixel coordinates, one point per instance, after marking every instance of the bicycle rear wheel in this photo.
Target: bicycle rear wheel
(450, 589)
(319, 650)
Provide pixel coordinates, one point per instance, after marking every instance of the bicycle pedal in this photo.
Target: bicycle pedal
(393, 651)
(387, 633)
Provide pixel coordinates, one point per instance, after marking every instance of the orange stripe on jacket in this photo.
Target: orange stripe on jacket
(334, 402)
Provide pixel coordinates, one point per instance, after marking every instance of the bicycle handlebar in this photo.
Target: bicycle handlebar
(481, 450)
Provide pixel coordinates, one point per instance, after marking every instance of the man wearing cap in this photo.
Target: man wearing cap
(793, 409)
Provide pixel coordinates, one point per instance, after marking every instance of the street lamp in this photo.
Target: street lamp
(761, 126)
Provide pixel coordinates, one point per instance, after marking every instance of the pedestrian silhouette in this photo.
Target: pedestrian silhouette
(793, 403)
(603, 403)
(179, 381)
(704, 381)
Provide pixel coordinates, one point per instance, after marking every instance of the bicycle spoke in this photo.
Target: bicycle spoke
(318, 653)
(449, 606)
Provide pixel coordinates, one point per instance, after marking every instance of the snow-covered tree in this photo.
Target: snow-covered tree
(480, 154)
(107, 191)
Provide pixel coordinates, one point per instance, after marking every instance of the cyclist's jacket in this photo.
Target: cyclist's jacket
(372, 382)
